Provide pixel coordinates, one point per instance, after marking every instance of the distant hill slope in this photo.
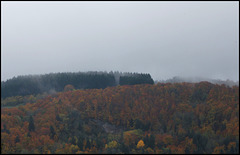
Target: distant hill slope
(37, 84)
(178, 79)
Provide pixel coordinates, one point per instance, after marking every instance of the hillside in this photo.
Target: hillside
(161, 118)
(177, 79)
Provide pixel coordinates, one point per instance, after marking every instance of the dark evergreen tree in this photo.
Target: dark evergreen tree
(5, 129)
(132, 79)
(37, 84)
(152, 141)
(187, 150)
(146, 140)
(80, 143)
(125, 149)
(79, 127)
(138, 124)
(31, 126)
(52, 132)
(88, 144)
(28, 134)
(58, 118)
(17, 139)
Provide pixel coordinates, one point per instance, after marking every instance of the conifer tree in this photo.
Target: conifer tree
(31, 126)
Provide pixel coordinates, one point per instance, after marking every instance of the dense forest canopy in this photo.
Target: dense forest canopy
(160, 118)
(55, 82)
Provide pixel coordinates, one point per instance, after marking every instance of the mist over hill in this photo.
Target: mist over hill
(56, 82)
(179, 79)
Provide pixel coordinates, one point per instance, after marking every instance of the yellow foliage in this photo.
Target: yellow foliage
(112, 144)
(106, 146)
(131, 137)
(140, 144)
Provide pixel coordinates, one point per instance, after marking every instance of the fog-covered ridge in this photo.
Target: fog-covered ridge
(56, 82)
(178, 79)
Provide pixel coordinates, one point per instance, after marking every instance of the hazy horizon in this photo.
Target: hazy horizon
(164, 39)
(189, 78)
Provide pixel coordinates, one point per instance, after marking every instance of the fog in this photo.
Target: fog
(165, 39)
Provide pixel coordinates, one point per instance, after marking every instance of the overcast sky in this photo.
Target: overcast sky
(164, 39)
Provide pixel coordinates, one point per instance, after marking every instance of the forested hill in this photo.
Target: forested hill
(55, 82)
(178, 79)
(182, 118)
